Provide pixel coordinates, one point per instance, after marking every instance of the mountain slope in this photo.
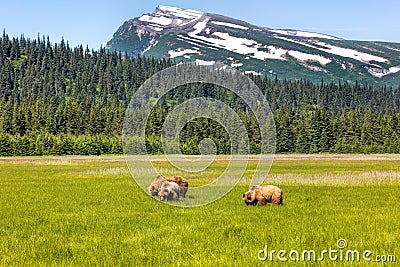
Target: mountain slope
(188, 35)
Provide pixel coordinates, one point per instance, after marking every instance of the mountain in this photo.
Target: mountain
(189, 35)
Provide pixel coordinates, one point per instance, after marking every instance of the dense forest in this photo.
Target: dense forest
(58, 100)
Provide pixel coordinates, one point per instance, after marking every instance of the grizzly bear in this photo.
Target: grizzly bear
(263, 194)
(169, 191)
(156, 185)
(182, 182)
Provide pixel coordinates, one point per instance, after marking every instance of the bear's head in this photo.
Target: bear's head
(250, 198)
(164, 193)
(153, 191)
(184, 184)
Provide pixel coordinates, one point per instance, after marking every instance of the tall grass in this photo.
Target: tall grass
(89, 212)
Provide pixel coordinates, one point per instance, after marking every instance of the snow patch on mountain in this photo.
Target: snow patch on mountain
(380, 72)
(166, 16)
(394, 69)
(152, 43)
(205, 62)
(236, 44)
(339, 51)
(392, 48)
(278, 51)
(252, 72)
(304, 34)
(308, 57)
(236, 64)
(156, 28)
(179, 12)
(179, 52)
(350, 53)
(313, 68)
(231, 25)
(199, 27)
(156, 19)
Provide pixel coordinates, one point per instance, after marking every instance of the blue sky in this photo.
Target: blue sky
(94, 22)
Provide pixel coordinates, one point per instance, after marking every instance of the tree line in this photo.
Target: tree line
(58, 100)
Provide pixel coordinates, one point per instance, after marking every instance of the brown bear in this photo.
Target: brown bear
(182, 182)
(263, 194)
(169, 191)
(156, 185)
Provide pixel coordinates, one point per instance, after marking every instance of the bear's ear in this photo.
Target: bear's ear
(243, 195)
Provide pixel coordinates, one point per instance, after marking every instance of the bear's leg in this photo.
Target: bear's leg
(169, 196)
(184, 190)
(276, 200)
(262, 201)
(254, 203)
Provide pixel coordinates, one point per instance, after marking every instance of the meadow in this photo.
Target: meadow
(88, 211)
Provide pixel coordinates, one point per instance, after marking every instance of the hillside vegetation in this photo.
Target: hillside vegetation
(58, 100)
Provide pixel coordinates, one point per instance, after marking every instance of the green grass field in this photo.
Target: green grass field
(88, 211)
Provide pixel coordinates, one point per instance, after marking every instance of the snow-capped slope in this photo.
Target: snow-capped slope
(229, 25)
(178, 12)
(304, 34)
(189, 35)
(184, 52)
(307, 57)
(169, 16)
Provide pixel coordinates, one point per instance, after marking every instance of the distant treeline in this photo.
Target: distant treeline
(57, 100)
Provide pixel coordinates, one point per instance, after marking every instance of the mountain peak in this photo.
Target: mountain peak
(190, 35)
(167, 17)
(178, 12)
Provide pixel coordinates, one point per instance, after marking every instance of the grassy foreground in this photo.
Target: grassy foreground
(87, 211)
